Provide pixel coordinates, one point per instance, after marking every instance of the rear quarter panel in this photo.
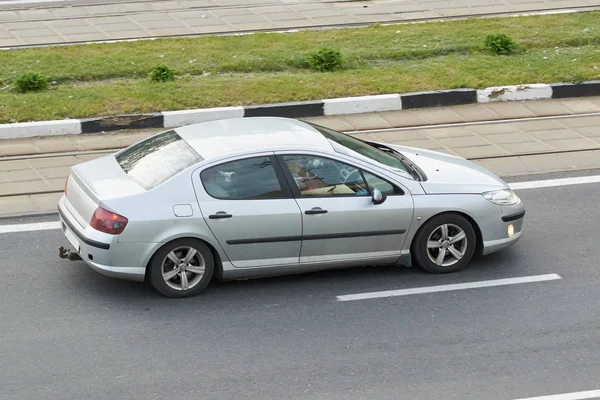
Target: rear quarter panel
(151, 217)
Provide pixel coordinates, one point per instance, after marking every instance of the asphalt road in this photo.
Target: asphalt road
(68, 333)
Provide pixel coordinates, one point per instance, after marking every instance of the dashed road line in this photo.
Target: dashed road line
(590, 394)
(448, 288)
(576, 180)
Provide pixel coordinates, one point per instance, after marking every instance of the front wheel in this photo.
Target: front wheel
(444, 244)
(182, 268)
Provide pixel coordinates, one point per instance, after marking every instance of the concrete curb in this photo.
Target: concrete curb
(363, 104)
(174, 119)
(316, 108)
(40, 128)
(439, 98)
(514, 93)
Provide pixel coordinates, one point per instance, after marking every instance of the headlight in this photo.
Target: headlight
(504, 197)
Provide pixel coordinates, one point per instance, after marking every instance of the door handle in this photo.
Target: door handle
(316, 210)
(220, 215)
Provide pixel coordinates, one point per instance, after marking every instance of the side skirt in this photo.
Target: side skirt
(231, 273)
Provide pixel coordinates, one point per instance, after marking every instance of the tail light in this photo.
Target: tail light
(108, 222)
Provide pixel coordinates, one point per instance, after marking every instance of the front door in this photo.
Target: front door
(340, 221)
(251, 213)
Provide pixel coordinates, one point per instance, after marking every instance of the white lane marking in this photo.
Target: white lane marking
(567, 396)
(448, 288)
(40, 226)
(576, 180)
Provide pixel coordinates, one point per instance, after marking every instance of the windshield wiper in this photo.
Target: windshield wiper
(412, 169)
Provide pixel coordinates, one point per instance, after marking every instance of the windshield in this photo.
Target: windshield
(156, 159)
(362, 148)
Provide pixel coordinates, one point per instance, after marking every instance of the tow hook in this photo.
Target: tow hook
(67, 253)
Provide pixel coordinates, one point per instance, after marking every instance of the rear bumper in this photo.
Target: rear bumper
(129, 273)
(102, 252)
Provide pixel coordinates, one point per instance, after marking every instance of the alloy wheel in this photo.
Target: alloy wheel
(447, 245)
(183, 268)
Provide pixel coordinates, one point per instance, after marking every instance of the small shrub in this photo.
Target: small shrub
(162, 73)
(31, 82)
(325, 60)
(499, 44)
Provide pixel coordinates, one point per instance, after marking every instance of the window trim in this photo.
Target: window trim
(291, 183)
(323, 130)
(279, 173)
(126, 152)
(396, 187)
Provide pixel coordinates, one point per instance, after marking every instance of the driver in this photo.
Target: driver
(304, 179)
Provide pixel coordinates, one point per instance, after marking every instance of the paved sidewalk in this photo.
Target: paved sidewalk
(508, 148)
(78, 21)
(398, 119)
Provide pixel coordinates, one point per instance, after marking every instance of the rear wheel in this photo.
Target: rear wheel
(445, 243)
(182, 268)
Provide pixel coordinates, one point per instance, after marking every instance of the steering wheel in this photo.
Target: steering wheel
(353, 177)
(352, 180)
(317, 163)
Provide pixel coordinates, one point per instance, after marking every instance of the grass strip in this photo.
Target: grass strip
(108, 79)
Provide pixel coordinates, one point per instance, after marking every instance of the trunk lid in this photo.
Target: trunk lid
(92, 182)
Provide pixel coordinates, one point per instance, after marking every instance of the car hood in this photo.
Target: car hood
(448, 174)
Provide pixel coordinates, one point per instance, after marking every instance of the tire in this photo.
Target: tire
(430, 241)
(166, 276)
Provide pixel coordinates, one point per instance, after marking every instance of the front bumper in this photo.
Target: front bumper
(103, 252)
(495, 229)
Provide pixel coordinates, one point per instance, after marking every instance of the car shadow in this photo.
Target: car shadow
(306, 286)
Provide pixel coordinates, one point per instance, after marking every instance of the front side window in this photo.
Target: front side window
(319, 176)
(375, 182)
(248, 179)
(156, 159)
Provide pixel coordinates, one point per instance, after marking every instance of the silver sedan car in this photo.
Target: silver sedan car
(251, 197)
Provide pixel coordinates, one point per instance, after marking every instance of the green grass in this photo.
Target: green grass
(108, 79)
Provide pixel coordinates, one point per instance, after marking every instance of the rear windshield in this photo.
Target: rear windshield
(156, 159)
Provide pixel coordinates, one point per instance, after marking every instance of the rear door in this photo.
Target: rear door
(340, 221)
(249, 208)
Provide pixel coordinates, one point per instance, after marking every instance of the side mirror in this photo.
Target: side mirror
(378, 197)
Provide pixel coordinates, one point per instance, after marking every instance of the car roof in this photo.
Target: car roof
(220, 138)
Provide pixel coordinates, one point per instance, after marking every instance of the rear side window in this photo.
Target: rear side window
(156, 159)
(248, 179)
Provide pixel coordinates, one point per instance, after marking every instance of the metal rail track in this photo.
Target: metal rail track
(29, 156)
(421, 127)
(508, 156)
(548, 10)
